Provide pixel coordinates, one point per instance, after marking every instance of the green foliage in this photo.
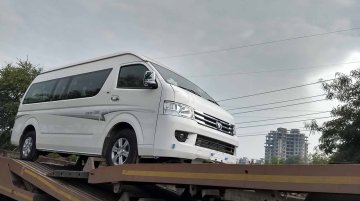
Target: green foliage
(14, 80)
(341, 136)
(319, 158)
(276, 160)
(290, 160)
(73, 158)
(294, 160)
(53, 155)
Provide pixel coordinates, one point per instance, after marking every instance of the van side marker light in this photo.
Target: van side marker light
(173, 146)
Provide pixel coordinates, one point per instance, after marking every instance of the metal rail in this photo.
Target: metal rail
(26, 181)
(344, 179)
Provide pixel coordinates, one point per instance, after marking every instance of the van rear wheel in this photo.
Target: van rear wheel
(28, 147)
(122, 148)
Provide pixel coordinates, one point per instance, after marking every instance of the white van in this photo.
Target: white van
(122, 107)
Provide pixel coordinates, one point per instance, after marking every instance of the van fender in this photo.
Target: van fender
(124, 118)
(33, 122)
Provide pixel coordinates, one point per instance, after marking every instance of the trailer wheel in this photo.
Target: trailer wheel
(122, 148)
(28, 147)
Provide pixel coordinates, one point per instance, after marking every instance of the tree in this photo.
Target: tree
(276, 160)
(293, 160)
(319, 158)
(14, 80)
(341, 136)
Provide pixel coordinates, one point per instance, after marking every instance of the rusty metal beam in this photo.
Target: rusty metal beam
(299, 178)
(36, 174)
(7, 186)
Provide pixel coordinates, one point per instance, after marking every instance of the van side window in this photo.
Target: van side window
(60, 89)
(40, 92)
(87, 85)
(132, 76)
(80, 86)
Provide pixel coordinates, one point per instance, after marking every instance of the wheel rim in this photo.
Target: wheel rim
(27, 146)
(120, 151)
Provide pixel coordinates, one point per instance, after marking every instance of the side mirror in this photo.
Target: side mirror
(150, 80)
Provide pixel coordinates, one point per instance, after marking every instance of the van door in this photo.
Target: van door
(132, 97)
(70, 121)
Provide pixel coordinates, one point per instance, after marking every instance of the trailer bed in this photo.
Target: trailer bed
(24, 180)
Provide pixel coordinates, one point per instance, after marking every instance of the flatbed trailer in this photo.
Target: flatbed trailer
(26, 181)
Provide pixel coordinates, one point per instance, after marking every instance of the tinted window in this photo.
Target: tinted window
(60, 89)
(83, 85)
(132, 76)
(40, 92)
(86, 85)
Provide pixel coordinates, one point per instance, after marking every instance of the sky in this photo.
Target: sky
(55, 33)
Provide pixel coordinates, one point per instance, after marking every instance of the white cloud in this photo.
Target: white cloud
(9, 19)
(61, 32)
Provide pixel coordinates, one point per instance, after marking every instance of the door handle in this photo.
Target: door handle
(115, 98)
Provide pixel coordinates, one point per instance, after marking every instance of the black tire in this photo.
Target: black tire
(33, 154)
(125, 134)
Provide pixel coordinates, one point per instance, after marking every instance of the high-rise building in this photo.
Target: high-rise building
(283, 144)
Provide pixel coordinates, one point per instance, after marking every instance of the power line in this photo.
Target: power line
(276, 102)
(270, 108)
(257, 44)
(277, 90)
(270, 71)
(271, 116)
(295, 116)
(286, 122)
(302, 110)
(250, 135)
(259, 132)
(254, 133)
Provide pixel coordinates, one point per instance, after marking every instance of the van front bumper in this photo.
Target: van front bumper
(166, 145)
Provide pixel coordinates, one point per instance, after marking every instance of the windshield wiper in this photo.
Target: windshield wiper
(213, 101)
(192, 91)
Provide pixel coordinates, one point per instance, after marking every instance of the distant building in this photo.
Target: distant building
(244, 160)
(260, 161)
(283, 144)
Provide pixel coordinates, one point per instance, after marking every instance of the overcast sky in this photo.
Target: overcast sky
(53, 33)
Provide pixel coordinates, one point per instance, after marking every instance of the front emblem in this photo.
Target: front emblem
(219, 125)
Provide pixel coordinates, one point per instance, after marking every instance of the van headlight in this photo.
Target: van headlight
(178, 109)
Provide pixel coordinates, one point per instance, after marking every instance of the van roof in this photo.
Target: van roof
(97, 59)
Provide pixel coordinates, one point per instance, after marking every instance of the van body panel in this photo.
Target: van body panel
(21, 122)
(82, 124)
(200, 104)
(87, 67)
(167, 146)
(141, 103)
(119, 116)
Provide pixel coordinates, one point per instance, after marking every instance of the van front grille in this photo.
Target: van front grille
(214, 123)
(214, 144)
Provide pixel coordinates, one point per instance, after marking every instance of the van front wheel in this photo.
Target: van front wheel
(122, 148)
(28, 147)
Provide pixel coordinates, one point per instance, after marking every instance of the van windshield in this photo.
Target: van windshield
(177, 80)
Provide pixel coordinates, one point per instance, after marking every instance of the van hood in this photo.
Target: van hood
(202, 105)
